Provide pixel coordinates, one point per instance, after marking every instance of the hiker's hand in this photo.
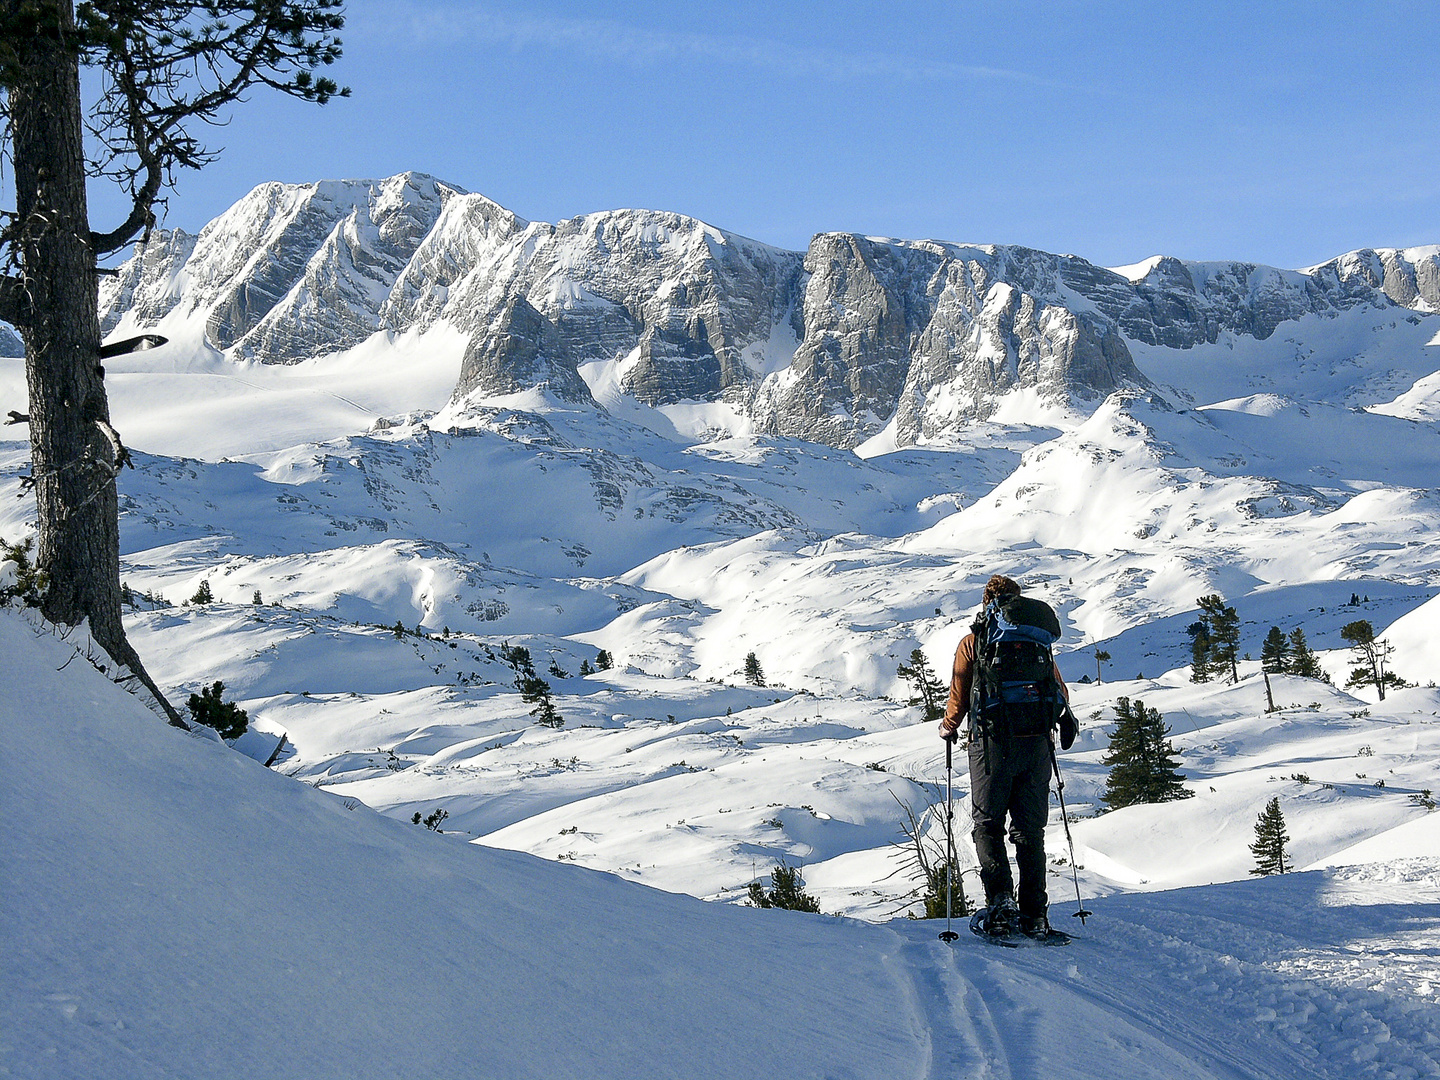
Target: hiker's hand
(949, 734)
(1069, 728)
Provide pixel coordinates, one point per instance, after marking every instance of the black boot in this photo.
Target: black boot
(1000, 918)
(1035, 926)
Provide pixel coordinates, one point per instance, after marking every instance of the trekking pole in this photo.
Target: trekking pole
(1079, 912)
(949, 935)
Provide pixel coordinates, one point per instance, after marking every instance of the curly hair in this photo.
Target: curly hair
(1000, 585)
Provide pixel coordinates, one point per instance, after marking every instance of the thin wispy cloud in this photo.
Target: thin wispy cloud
(608, 39)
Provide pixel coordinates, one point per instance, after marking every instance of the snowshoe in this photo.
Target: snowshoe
(999, 920)
(1037, 929)
(1003, 925)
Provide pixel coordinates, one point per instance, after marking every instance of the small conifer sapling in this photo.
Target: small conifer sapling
(929, 693)
(1270, 840)
(1275, 652)
(1223, 626)
(432, 820)
(225, 717)
(1141, 759)
(1302, 659)
(787, 891)
(545, 712)
(30, 582)
(1199, 632)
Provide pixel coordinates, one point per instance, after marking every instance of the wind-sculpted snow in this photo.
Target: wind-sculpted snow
(530, 496)
(856, 338)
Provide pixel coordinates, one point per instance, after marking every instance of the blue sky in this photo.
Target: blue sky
(1272, 131)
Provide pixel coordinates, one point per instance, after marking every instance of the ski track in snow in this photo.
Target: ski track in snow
(961, 1036)
(1167, 990)
(1004, 1014)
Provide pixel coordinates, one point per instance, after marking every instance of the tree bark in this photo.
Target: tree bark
(73, 460)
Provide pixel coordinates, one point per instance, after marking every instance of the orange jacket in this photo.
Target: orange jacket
(961, 676)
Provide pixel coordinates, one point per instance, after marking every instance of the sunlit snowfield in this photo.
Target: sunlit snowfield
(569, 530)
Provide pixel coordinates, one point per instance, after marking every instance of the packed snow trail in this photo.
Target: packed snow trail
(1322, 974)
(170, 908)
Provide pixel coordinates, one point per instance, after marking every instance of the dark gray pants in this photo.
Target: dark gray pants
(1011, 776)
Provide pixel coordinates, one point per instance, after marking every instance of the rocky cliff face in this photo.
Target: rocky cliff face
(1410, 277)
(1180, 304)
(864, 303)
(520, 349)
(677, 299)
(10, 344)
(931, 335)
(832, 345)
(288, 272)
(988, 338)
(149, 285)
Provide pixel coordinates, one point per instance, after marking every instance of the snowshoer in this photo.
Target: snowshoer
(1006, 682)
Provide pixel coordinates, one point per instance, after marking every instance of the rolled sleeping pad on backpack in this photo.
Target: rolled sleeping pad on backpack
(1026, 611)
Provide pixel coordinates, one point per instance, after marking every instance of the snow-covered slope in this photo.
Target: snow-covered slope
(171, 908)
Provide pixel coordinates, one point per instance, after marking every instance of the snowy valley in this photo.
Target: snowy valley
(397, 428)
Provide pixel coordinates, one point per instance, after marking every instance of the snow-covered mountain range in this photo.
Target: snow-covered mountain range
(855, 336)
(394, 401)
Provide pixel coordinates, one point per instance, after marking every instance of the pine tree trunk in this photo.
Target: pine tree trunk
(72, 445)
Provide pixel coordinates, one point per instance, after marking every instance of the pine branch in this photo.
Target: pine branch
(168, 64)
(142, 214)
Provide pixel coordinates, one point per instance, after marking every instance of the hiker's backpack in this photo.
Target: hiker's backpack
(1013, 691)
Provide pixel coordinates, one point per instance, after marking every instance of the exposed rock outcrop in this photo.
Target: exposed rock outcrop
(150, 284)
(520, 349)
(934, 335)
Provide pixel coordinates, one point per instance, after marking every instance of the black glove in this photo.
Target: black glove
(1069, 728)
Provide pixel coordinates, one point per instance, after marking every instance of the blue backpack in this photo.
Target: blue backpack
(1014, 692)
